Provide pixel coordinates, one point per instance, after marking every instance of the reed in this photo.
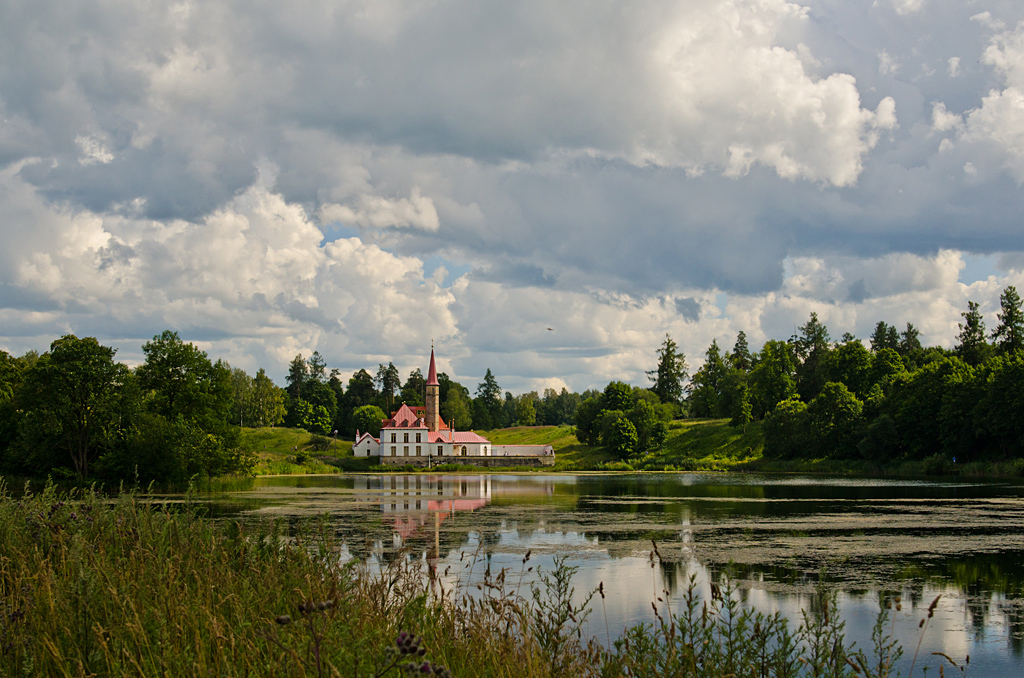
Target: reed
(125, 587)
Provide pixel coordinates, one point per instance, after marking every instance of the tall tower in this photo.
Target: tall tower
(433, 396)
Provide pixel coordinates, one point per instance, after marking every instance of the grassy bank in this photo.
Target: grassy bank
(98, 588)
(290, 451)
(692, 445)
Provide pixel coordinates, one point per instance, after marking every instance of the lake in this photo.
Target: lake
(777, 538)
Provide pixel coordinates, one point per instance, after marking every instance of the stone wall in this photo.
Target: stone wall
(482, 462)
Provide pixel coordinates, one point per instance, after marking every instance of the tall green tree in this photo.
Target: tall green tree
(369, 418)
(1009, 333)
(586, 421)
(834, 421)
(388, 381)
(488, 399)
(316, 367)
(910, 340)
(618, 395)
(298, 375)
(811, 347)
(456, 405)
(526, 409)
(414, 390)
(650, 429)
(705, 387)
(971, 345)
(670, 375)
(850, 364)
(71, 395)
(180, 381)
(739, 358)
(771, 380)
(266, 401)
(884, 336)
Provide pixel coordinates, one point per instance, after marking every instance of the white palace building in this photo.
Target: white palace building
(418, 436)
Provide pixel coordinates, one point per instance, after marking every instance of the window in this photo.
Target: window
(463, 450)
(406, 438)
(405, 451)
(392, 450)
(440, 450)
(394, 437)
(418, 437)
(417, 449)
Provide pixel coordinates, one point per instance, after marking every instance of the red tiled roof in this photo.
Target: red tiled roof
(460, 437)
(405, 417)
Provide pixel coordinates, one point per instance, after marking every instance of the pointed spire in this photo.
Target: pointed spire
(432, 372)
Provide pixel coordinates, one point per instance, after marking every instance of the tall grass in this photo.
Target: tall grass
(91, 587)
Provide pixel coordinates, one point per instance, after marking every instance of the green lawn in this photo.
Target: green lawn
(692, 445)
(283, 451)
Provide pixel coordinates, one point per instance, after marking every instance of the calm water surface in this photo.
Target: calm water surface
(775, 537)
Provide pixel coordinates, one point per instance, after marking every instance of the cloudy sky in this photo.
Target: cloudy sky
(360, 177)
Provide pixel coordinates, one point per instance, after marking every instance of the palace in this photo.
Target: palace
(418, 435)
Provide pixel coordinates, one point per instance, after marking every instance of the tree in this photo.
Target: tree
(586, 421)
(743, 413)
(72, 395)
(526, 412)
(811, 347)
(972, 347)
(368, 418)
(181, 381)
(456, 406)
(850, 364)
(834, 419)
(241, 387)
(706, 383)
(622, 438)
(361, 390)
(740, 357)
(671, 373)
(298, 373)
(488, 395)
(650, 430)
(316, 367)
(313, 418)
(1009, 333)
(618, 395)
(884, 336)
(771, 379)
(786, 430)
(415, 388)
(266, 401)
(910, 340)
(388, 380)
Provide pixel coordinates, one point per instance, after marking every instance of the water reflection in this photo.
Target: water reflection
(776, 537)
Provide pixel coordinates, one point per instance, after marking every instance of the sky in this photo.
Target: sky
(545, 189)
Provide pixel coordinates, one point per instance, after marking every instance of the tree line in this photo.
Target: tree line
(75, 411)
(819, 398)
(317, 400)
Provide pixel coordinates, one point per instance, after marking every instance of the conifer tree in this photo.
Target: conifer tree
(972, 347)
(1009, 333)
(671, 372)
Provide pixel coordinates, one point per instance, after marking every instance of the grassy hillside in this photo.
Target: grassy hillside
(692, 445)
(296, 451)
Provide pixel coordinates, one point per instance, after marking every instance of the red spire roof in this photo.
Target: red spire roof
(432, 372)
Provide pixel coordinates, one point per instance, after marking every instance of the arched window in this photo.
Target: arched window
(464, 451)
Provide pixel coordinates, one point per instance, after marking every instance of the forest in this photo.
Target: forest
(75, 412)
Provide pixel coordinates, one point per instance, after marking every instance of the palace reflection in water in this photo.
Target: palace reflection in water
(774, 535)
